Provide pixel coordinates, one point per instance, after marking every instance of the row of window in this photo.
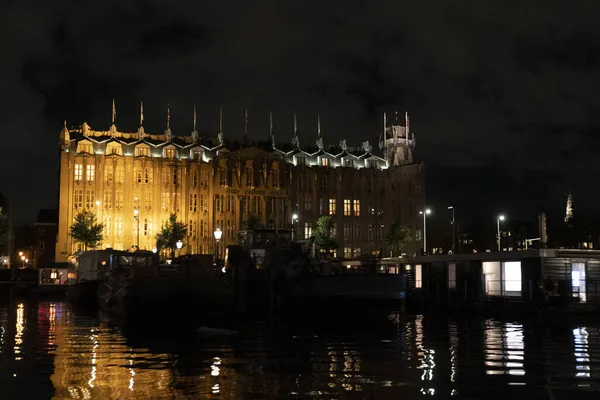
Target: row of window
(351, 232)
(351, 207)
(140, 150)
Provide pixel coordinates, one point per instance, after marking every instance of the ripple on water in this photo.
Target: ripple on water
(48, 349)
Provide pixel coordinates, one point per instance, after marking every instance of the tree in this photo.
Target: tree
(398, 237)
(170, 233)
(86, 230)
(323, 238)
(253, 222)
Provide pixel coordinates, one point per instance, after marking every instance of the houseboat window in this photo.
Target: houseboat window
(578, 280)
(492, 278)
(512, 278)
(452, 276)
(418, 276)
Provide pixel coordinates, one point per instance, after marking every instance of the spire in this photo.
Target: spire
(319, 138)
(113, 127)
(168, 130)
(141, 128)
(221, 119)
(271, 134)
(295, 141)
(295, 126)
(318, 126)
(407, 123)
(221, 135)
(65, 137)
(194, 130)
(569, 211)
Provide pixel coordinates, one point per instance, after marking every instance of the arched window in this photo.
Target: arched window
(114, 148)
(170, 152)
(142, 150)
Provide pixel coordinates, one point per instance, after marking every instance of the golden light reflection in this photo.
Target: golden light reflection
(94, 339)
(132, 372)
(51, 327)
(582, 357)
(20, 329)
(504, 349)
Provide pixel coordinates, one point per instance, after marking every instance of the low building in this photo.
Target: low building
(46, 231)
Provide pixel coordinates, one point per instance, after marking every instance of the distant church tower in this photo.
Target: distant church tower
(398, 144)
(569, 211)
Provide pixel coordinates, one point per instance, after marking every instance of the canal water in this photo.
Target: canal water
(48, 350)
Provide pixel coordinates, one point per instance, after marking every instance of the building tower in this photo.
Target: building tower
(398, 144)
(569, 210)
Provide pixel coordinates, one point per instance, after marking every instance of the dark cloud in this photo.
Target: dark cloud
(509, 86)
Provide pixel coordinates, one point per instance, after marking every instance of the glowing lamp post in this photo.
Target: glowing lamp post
(294, 220)
(500, 218)
(453, 230)
(136, 217)
(425, 213)
(218, 235)
(179, 245)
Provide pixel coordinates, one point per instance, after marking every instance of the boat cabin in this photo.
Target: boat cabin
(570, 274)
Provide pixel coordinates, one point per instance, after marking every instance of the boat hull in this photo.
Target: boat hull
(83, 292)
(167, 300)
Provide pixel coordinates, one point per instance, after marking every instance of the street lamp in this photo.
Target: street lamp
(425, 213)
(500, 218)
(179, 245)
(294, 219)
(136, 217)
(453, 230)
(154, 250)
(218, 235)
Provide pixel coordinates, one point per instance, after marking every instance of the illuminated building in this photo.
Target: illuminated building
(211, 183)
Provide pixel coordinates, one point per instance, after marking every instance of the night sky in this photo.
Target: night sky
(503, 95)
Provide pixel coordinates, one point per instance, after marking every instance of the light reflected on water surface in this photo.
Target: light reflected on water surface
(61, 354)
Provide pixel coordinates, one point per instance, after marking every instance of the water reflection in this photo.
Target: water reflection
(504, 348)
(82, 357)
(582, 357)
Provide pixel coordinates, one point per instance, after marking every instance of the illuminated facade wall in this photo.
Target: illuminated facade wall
(209, 185)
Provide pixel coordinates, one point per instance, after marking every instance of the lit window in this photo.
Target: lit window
(142, 151)
(347, 252)
(169, 153)
(108, 174)
(90, 173)
(119, 226)
(78, 172)
(148, 200)
(307, 230)
(193, 202)
(347, 207)
(108, 200)
(357, 208)
(147, 227)
(90, 199)
(165, 201)
(331, 206)
(418, 276)
(137, 173)
(120, 174)
(114, 149)
(78, 198)
(324, 162)
(194, 178)
(119, 195)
